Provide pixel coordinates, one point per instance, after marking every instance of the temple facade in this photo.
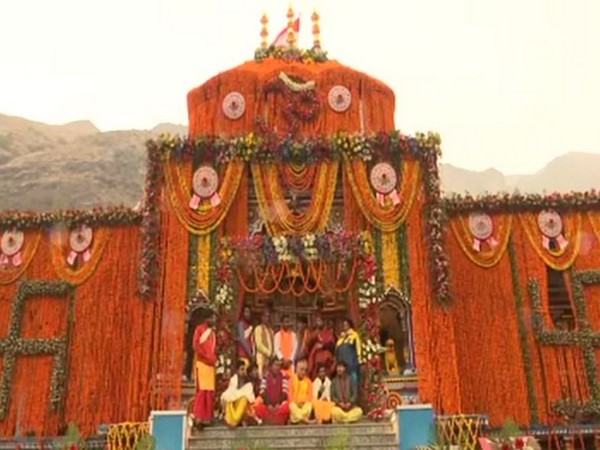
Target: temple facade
(294, 193)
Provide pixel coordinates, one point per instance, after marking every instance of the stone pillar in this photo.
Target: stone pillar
(169, 429)
(415, 426)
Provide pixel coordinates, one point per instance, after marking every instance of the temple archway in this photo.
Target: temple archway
(395, 315)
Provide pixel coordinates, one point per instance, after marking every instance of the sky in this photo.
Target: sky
(509, 84)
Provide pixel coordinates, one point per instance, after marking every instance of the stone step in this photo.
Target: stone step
(364, 434)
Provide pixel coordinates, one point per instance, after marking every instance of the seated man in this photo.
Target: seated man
(238, 397)
(301, 395)
(322, 403)
(272, 406)
(345, 396)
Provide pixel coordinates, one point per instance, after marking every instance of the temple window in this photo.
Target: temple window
(559, 303)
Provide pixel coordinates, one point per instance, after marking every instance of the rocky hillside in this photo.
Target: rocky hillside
(45, 167)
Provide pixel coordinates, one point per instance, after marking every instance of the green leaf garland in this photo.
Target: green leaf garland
(14, 345)
(584, 337)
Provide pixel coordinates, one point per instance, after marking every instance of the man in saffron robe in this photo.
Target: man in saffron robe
(238, 397)
(321, 345)
(301, 395)
(345, 396)
(245, 342)
(264, 342)
(286, 345)
(205, 346)
(272, 407)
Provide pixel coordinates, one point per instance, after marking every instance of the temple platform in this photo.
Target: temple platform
(361, 435)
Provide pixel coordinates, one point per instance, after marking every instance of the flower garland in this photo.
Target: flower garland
(583, 337)
(150, 257)
(14, 345)
(301, 100)
(517, 203)
(312, 55)
(266, 147)
(113, 216)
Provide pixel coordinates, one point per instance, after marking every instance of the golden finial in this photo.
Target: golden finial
(264, 33)
(316, 30)
(291, 36)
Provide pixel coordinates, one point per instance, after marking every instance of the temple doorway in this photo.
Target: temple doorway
(396, 334)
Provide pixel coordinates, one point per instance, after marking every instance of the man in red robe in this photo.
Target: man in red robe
(320, 345)
(272, 406)
(205, 347)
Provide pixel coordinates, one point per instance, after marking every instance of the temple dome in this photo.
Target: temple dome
(371, 106)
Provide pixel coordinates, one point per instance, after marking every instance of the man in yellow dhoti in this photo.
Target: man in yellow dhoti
(345, 395)
(264, 343)
(322, 403)
(301, 395)
(238, 397)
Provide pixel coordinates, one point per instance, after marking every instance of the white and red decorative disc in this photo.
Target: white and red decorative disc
(550, 223)
(339, 98)
(481, 225)
(12, 242)
(383, 178)
(205, 182)
(234, 105)
(81, 238)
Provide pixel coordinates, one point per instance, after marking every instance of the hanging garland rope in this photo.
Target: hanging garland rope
(84, 271)
(9, 275)
(487, 257)
(557, 259)
(298, 177)
(278, 216)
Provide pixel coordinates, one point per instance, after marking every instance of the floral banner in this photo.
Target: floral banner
(17, 250)
(486, 252)
(77, 264)
(207, 217)
(564, 254)
(386, 217)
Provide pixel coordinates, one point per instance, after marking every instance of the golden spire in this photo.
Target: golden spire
(291, 36)
(264, 33)
(316, 30)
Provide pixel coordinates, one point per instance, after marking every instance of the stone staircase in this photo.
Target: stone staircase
(356, 436)
(362, 435)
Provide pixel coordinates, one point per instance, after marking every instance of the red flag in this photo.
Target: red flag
(281, 39)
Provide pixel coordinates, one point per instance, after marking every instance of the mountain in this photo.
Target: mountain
(45, 167)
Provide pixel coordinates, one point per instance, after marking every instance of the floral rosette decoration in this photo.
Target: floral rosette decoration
(224, 297)
(371, 349)
(205, 183)
(551, 226)
(309, 248)
(80, 245)
(384, 180)
(481, 227)
(11, 247)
